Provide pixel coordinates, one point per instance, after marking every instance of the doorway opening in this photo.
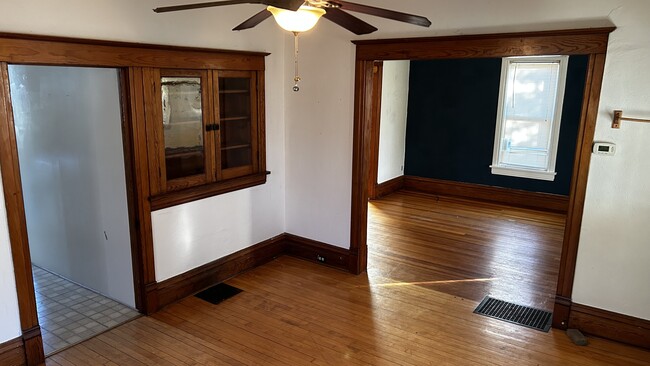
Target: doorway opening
(436, 122)
(69, 134)
(591, 43)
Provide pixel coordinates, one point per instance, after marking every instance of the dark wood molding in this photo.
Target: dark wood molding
(32, 49)
(12, 353)
(513, 197)
(561, 311)
(33, 343)
(176, 288)
(566, 42)
(207, 190)
(388, 187)
(377, 82)
(586, 132)
(610, 325)
(312, 250)
(17, 224)
(591, 42)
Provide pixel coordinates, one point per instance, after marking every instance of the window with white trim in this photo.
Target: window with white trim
(529, 115)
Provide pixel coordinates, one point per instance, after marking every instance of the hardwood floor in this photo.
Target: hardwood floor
(294, 312)
(466, 248)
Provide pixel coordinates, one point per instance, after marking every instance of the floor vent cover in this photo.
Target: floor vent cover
(513, 313)
(218, 293)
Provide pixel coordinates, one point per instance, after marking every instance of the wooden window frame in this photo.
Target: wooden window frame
(136, 63)
(591, 42)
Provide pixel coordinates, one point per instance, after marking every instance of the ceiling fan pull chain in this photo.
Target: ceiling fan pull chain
(296, 78)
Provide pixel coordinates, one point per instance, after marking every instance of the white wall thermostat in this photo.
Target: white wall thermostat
(604, 148)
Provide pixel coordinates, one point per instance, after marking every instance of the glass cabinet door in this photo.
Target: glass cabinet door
(238, 116)
(184, 116)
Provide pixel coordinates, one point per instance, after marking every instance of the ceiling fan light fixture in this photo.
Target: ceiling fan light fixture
(301, 20)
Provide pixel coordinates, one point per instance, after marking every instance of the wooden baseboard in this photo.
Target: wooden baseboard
(388, 187)
(313, 250)
(610, 325)
(176, 288)
(12, 353)
(514, 197)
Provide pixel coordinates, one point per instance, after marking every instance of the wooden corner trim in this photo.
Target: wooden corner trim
(176, 288)
(312, 250)
(561, 311)
(607, 324)
(12, 352)
(388, 187)
(514, 197)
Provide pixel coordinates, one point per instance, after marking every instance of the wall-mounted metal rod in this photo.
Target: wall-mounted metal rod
(618, 118)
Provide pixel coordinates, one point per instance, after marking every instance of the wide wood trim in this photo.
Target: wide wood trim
(33, 344)
(12, 353)
(592, 42)
(176, 288)
(561, 311)
(509, 196)
(29, 49)
(610, 325)
(377, 82)
(17, 223)
(581, 164)
(360, 165)
(388, 187)
(565, 42)
(207, 190)
(318, 252)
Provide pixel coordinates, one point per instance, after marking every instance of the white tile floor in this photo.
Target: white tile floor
(69, 313)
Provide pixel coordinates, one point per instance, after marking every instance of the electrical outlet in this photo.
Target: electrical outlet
(320, 258)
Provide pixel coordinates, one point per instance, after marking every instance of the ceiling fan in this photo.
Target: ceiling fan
(308, 12)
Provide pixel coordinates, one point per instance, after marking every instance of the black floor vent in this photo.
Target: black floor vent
(513, 313)
(218, 293)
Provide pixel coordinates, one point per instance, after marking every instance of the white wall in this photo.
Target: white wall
(392, 126)
(9, 321)
(612, 271)
(69, 135)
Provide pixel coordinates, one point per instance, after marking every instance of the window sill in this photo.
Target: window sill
(170, 199)
(524, 173)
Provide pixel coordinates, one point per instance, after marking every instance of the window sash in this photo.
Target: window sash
(528, 121)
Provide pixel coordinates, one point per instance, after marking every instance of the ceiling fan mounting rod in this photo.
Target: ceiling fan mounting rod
(321, 4)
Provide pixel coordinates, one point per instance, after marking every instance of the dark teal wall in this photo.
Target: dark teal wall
(452, 117)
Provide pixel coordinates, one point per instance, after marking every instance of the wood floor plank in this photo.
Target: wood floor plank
(431, 260)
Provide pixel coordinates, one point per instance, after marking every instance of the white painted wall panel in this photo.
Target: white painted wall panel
(394, 111)
(9, 320)
(612, 270)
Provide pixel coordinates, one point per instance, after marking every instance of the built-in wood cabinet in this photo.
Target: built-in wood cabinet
(205, 133)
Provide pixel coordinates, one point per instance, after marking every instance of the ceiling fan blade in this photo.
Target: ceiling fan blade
(349, 22)
(166, 9)
(284, 4)
(254, 20)
(383, 13)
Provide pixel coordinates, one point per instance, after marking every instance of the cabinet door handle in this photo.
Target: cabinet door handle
(212, 127)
